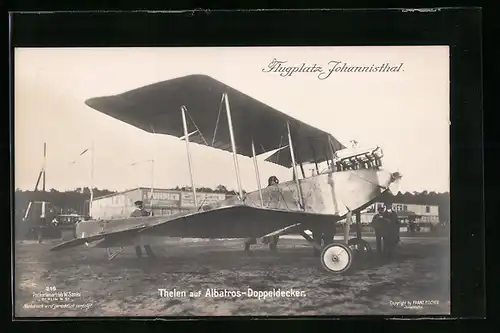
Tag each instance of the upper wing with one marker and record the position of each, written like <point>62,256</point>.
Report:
<point>306,151</point>
<point>282,157</point>
<point>156,108</point>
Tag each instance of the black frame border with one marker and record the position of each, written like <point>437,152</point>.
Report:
<point>460,28</point>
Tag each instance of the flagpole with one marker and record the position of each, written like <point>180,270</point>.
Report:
<point>44,165</point>
<point>91,178</point>
<point>152,183</point>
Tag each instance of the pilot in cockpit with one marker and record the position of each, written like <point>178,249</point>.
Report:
<point>141,212</point>
<point>273,180</point>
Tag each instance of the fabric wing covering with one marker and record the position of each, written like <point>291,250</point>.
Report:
<point>156,108</point>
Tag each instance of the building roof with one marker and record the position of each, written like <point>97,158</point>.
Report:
<point>149,189</point>
<point>126,191</point>
<point>403,203</point>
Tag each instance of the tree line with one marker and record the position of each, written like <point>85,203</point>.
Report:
<point>75,201</point>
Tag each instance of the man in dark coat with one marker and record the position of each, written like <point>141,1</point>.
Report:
<point>386,226</point>
<point>381,223</point>
<point>140,212</point>
<point>273,240</point>
<point>273,244</point>
<point>394,230</point>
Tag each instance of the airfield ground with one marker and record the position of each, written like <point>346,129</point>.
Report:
<point>418,275</point>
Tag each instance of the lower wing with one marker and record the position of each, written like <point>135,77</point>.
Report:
<point>240,221</point>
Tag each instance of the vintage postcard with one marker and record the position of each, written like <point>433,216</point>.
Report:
<point>232,181</point>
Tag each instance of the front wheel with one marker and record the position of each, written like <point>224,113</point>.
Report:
<point>336,258</point>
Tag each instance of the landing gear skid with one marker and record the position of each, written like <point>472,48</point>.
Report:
<point>273,244</point>
<point>112,255</point>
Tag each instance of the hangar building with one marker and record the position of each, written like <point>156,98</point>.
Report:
<point>426,214</point>
<point>162,202</point>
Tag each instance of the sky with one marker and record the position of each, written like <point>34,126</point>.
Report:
<point>405,112</point>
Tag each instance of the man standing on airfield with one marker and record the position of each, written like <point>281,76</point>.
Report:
<point>140,212</point>
<point>386,226</point>
<point>273,240</point>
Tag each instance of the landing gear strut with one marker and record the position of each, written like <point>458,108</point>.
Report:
<point>248,242</point>
<point>271,240</point>
<point>337,257</point>
<point>358,245</point>
<point>149,251</point>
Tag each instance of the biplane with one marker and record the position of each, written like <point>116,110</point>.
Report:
<point>199,109</point>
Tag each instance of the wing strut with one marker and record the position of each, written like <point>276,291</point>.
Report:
<point>332,151</point>
<point>292,155</point>
<point>257,174</point>
<point>315,159</point>
<point>186,137</point>
<point>233,144</point>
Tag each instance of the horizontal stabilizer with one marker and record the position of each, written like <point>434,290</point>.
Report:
<point>76,242</point>
<point>102,236</point>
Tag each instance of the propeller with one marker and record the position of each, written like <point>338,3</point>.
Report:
<point>395,182</point>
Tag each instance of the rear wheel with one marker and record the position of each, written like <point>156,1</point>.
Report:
<point>360,247</point>
<point>336,258</point>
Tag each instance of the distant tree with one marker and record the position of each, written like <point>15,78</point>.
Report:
<point>221,189</point>
<point>67,201</point>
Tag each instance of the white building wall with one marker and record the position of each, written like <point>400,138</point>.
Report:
<point>164,202</point>
<point>116,206</point>
<point>424,213</point>
<point>430,210</point>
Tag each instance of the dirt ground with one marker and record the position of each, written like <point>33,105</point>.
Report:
<point>81,282</point>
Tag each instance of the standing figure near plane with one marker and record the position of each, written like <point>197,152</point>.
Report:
<point>273,241</point>
<point>380,226</point>
<point>139,212</point>
<point>273,181</point>
<point>386,226</point>
<point>394,229</point>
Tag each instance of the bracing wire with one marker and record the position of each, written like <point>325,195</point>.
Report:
<point>217,122</point>
<point>202,137</point>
